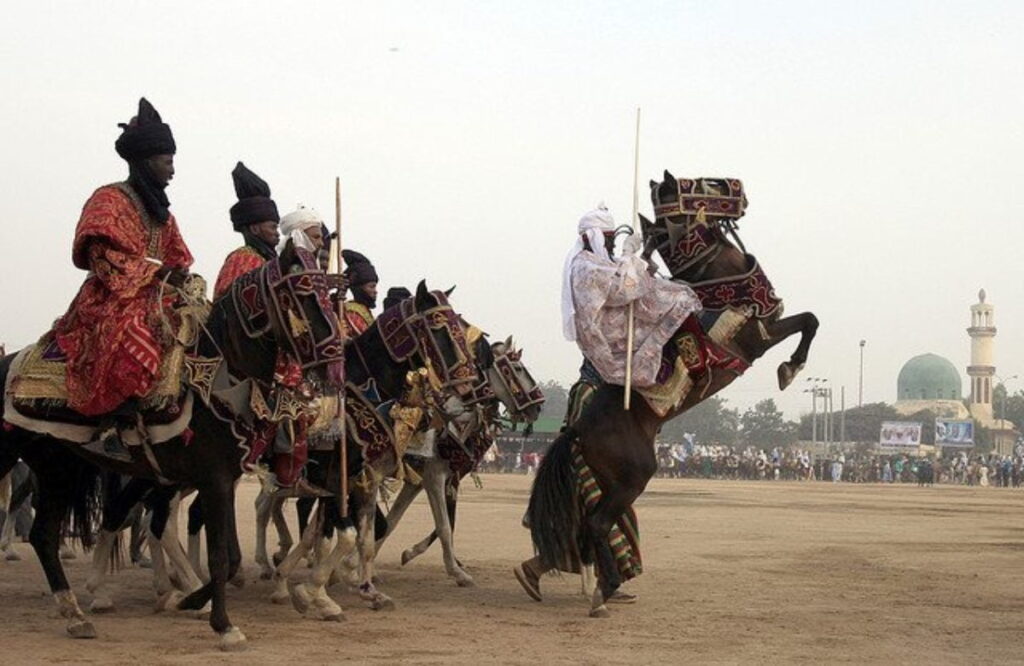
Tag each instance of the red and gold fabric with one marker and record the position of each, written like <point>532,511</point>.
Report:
<point>237,264</point>
<point>108,333</point>
<point>357,318</point>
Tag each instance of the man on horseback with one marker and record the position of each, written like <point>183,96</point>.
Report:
<point>255,217</point>
<point>362,281</point>
<point>597,291</point>
<point>128,241</point>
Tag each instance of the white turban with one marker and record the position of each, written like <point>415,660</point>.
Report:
<point>592,226</point>
<point>294,225</point>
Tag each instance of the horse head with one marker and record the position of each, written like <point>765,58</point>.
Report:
<point>282,306</point>
<point>692,217</point>
<point>422,331</point>
<point>513,384</point>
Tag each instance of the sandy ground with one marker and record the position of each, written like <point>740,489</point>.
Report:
<point>736,572</point>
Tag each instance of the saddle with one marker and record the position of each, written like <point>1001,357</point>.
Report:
<point>37,388</point>
<point>700,348</point>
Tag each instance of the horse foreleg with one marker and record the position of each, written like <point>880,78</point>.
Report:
<point>218,513</point>
<point>366,543</point>
<point>195,525</point>
<point>311,598</point>
<point>284,535</point>
<point>310,534</point>
<point>434,481</point>
<point>45,540</point>
<point>402,502</point>
<point>187,579</point>
<point>262,520</point>
<point>774,332</point>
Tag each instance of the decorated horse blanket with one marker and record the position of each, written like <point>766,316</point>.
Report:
<point>35,399</point>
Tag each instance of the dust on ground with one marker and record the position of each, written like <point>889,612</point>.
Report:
<point>735,572</point>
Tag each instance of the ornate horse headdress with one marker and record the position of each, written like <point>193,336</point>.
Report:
<point>406,331</point>
<point>270,300</point>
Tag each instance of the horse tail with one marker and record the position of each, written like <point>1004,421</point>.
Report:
<point>553,514</point>
<point>85,501</point>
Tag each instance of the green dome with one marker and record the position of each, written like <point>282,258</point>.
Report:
<point>928,377</point>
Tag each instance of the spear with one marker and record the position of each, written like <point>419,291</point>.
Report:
<point>634,220</point>
<point>343,441</point>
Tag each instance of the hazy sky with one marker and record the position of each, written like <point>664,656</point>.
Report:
<point>878,142</point>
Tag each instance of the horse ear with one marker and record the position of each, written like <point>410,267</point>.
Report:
<point>668,189</point>
<point>508,343</point>
<point>450,290</point>
<point>422,296</point>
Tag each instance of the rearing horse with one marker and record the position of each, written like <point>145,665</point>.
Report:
<point>615,446</point>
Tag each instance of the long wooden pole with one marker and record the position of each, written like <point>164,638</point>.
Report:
<point>635,219</point>
<point>343,436</point>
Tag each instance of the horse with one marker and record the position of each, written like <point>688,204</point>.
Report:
<point>460,449</point>
<point>282,305</point>
<point>692,220</point>
<point>421,334</point>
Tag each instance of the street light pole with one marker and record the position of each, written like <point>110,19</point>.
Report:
<point>860,382</point>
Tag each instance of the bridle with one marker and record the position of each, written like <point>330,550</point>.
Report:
<point>700,241</point>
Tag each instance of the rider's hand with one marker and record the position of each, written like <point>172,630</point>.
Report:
<point>337,281</point>
<point>632,244</point>
<point>172,276</point>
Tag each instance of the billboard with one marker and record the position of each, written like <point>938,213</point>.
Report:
<point>900,434</point>
<point>954,433</point>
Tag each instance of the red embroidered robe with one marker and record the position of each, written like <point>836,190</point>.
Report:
<point>109,333</point>
<point>237,264</point>
<point>357,318</point>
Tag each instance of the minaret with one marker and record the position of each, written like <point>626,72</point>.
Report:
<point>981,369</point>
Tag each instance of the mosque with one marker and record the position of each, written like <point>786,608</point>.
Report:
<point>931,382</point>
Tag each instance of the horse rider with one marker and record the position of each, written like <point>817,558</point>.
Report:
<point>597,290</point>
<point>395,296</point>
<point>129,242</point>
<point>361,277</point>
<point>255,217</point>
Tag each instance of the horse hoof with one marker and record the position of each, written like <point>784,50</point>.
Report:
<point>464,581</point>
<point>12,556</point>
<point>82,629</point>
<point>169,601</point>
<point>144,563</point>
<point>101,605</point>
<point>787,373</point>
<point>382,604</point>
<point>238,581</point>
<point>300,597</point>
<point>600,611</point>
<point>266,574</point>
<point>406,557</point>
<point>232,640</point>
<point>202,614</point>
<point>278,559</point>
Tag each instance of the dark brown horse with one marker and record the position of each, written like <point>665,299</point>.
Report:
<point>288,308</point>
<point>690,232</point>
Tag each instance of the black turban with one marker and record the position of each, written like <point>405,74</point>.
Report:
<point>145,135</point>
<point>395,296</point>
<point>254,202</point>
<point>358,268</point>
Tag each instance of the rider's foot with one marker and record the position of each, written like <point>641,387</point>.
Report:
<point>113,446</point>
<point>529,579</point>
<point>620,597</point>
